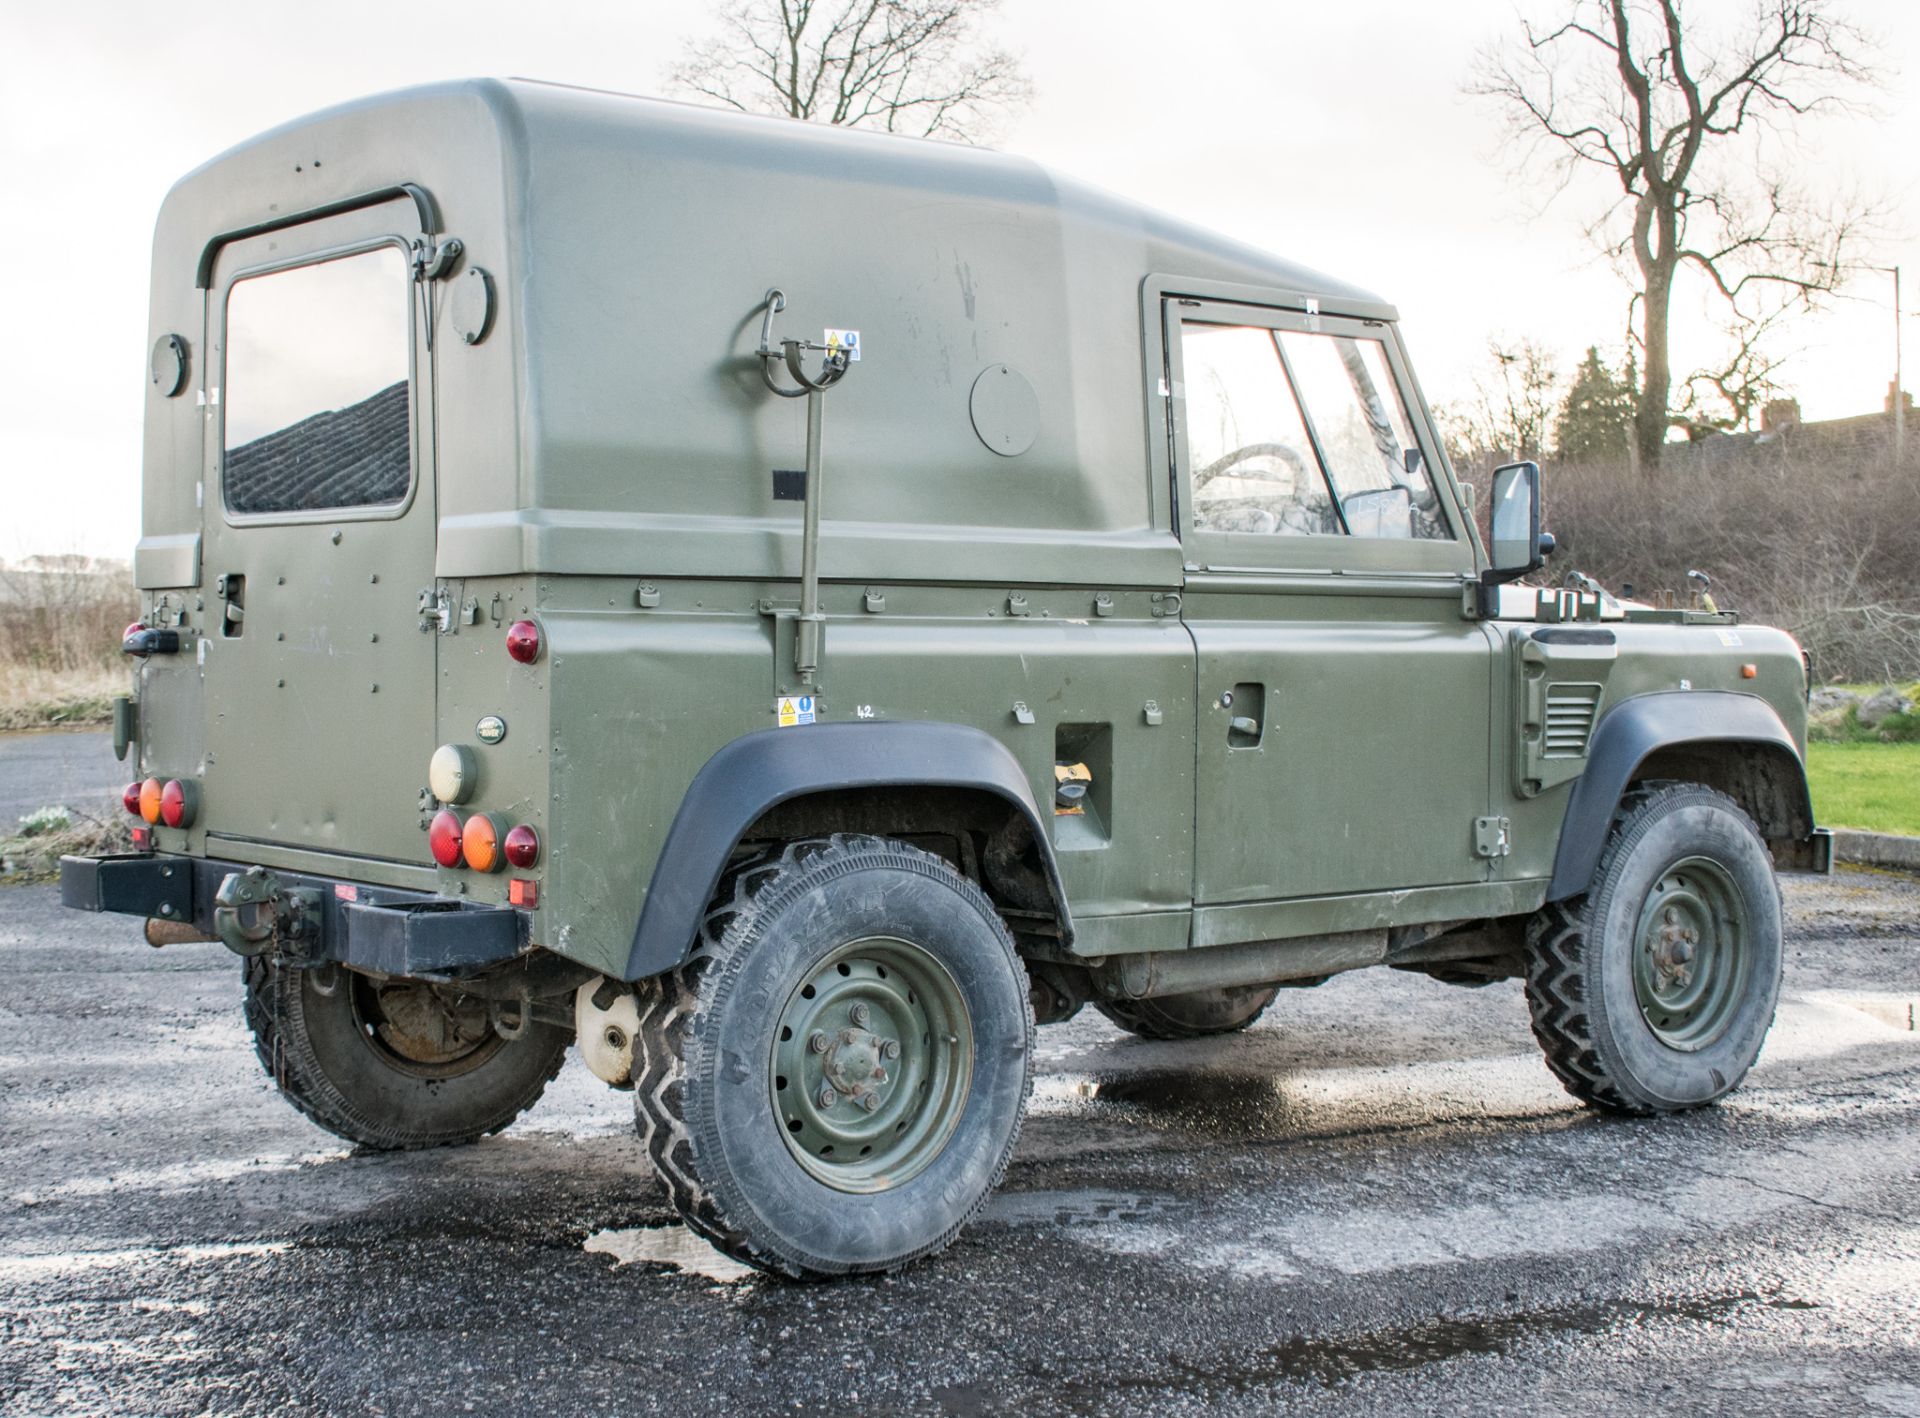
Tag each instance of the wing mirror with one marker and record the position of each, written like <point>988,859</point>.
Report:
<point>1519,546</point>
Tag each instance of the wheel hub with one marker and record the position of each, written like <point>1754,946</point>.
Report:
<point>1691,954</point>
<point>871,1064</point>
<point>423,1029</point>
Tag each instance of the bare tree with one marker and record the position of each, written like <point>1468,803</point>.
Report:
<point>1689,124</point>
<point>907,66</point>
<point>1509,412</point>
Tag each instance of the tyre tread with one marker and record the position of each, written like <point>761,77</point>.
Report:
<point>289,1060</point>
<point>670,1008</point>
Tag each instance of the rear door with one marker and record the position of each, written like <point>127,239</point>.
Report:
<point>319,511</point>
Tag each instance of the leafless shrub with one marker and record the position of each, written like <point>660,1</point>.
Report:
<point>1821,545</point>
<point>63,613</point>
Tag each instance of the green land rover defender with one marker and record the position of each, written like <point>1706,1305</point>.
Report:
<point>789,610</point>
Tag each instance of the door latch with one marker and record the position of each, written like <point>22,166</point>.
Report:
<point>436,611</point>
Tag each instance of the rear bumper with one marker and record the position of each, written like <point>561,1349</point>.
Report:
<point>374,928</point>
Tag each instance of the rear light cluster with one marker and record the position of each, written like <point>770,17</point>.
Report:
<point>480,842</point>
<point>174,803</point>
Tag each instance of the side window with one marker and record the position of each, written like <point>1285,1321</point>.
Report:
<point>1366,438</point>
<point>1304,434</point>
<point>1252,464</point>
<point>318,406</point>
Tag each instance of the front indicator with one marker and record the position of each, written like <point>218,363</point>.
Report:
<point>443,837</point>
<point>480,843</point>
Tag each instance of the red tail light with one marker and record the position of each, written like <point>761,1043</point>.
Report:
<point>130,798</point>
<point>443,837</point>
<point>522,846</point>
<point>177,803</point>
<point>523,641</point>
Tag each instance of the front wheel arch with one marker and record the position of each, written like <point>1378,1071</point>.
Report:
<point>1733,743</point>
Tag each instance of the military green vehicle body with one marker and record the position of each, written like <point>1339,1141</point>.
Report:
<point>1303,753</point>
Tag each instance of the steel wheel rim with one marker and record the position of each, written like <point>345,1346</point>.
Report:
<point>1691,954</point>
<point>463,1041</point>
<point>871,1064</point>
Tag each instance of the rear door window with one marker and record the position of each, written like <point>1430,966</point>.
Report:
<point>318,399</point>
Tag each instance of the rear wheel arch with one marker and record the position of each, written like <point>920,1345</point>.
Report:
<point>907,780</point>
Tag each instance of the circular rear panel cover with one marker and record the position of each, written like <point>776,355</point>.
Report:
<point>1006,411</point>
<point>473,305</point>
<point>168,365</point>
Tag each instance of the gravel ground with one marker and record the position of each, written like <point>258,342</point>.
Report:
<point>1376,1201</point>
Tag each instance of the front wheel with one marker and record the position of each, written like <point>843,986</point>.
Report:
<point>834,1080</point>
<point>1654,991</point>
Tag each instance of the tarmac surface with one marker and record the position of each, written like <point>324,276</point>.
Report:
<point>1375,1201</point>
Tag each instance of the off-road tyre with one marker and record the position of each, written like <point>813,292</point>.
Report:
<point>707,1101</point>
<point>326,1061</point>
<point>1610,1050</point>
<point>1198,1015</point>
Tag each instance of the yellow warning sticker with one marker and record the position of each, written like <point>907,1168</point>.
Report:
<point>794,709</point>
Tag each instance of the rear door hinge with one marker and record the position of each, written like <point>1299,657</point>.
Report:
<point>1492,836</point>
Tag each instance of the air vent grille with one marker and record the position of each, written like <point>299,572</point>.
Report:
<point>1571,709</point>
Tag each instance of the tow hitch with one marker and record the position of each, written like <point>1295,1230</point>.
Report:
<point>253,907</point>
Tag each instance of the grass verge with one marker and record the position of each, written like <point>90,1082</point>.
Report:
<point>1874,787</point>
<point>32,698</point>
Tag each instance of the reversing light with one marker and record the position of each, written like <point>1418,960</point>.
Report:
<point>443,837</point>
<point>523,641</point>
<point>177,803</point>
<point>480,842</point>
<point>150,801</point>
<point>130,798</point>
<point>522,846</point>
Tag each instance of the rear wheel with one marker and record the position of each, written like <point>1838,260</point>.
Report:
<point>393,1064</point>
<point>834,1080</point>
<point>1654,991</point>
<point>1191,1016</point>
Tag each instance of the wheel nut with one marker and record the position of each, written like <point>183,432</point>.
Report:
<point>817,1041</point>
<point>827,1096</point>
<point>870,1101</point>
<point>860,1013</point>
<point>890,1049</point>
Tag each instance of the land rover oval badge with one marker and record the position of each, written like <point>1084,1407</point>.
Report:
<point>491,729</point>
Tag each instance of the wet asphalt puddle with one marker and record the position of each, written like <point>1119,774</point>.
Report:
<point>1377,1200</point>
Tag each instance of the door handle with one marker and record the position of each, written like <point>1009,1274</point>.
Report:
<point>1244,729</point>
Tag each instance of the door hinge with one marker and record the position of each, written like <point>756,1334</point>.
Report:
<point>1492,836</point>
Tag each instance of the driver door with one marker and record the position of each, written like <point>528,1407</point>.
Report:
<point>1344,695</point>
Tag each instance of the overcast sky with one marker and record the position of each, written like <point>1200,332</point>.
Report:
<point>1336,134</point>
